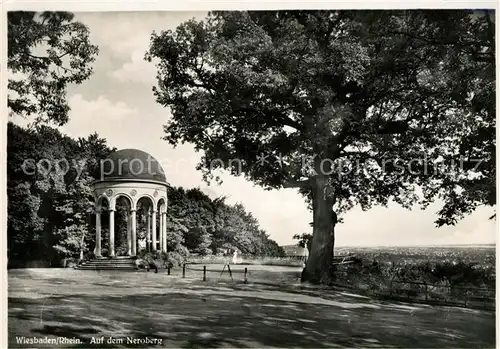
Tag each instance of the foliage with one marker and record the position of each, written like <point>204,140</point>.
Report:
<point>175,259</point>
<point>46,52</point>
<point>453,266</point>
<point>121,226</point>
<point>146,258</point>
<point>50,203</point>
<point>439,280</point>
<point>104,252</point>
<point>75,210</point>
<point>305,239</point>
<point>162,259</point>
<point>207,226</point>
<point>470,85</point>
<point>302,98</point>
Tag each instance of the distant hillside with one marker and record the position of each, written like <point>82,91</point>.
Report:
<point>294,251</point>
<point>492,245</point>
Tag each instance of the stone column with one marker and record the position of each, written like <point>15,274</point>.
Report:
<point>134,232</point>
<point>98,234</point>
<point>129,234</point>
<point>164,232</point>
<point>111,232</point>
<point>153,219</point>
<point>148,232</point>
<point>161,231</point>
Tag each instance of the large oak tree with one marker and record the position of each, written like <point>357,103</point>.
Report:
<point>351,107</point>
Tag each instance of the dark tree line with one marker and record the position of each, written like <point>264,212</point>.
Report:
<point>50,204</point>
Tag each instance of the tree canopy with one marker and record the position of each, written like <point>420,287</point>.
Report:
<point>352,107</point>
<point>46,52</point>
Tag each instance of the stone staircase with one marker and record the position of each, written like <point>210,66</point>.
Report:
<point>118,263</point>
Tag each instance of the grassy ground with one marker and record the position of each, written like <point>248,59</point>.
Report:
<point>271,310</point>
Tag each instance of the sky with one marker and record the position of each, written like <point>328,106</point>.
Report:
<point>117,102</point>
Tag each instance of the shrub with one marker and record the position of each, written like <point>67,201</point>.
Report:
<point>162,256</point>
<point>143,254</point>
<point>141,263</point>
<point>72,262</point>
<point>150,257</point>
<point>161,259</point>
<point>455,274</point>
<point>174,259</point>
<point>88,256</point>
<point>121,250</point>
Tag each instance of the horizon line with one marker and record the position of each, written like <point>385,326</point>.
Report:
<point>386,246</point>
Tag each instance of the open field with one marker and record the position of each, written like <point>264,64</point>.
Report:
<point>190,313</point>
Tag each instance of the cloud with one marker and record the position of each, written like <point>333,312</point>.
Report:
<point>483,232</point>
<point>124,32</point>
<point>127,35</point>
<point>137,70</point>
<point>100,115</point>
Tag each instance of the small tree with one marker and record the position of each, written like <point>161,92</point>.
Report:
<point>72,243</point>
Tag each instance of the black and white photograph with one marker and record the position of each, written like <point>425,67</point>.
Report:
<point>250,178</point>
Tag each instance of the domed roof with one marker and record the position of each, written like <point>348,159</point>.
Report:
<point>131,164</point>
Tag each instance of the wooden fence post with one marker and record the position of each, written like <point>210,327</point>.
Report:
<point>246,270</point>
<point>204,273</point>
<point>184,270</point>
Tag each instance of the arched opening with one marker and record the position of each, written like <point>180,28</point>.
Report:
<point>102,204</point>
<point>122,222</point>
<point>161,221</point>
<point>145,208</point>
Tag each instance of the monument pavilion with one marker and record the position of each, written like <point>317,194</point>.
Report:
<point>132,175</point>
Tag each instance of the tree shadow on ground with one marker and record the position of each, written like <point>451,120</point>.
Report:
<point>215,318</point>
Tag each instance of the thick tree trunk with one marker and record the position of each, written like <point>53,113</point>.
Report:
<point>319,264</point>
